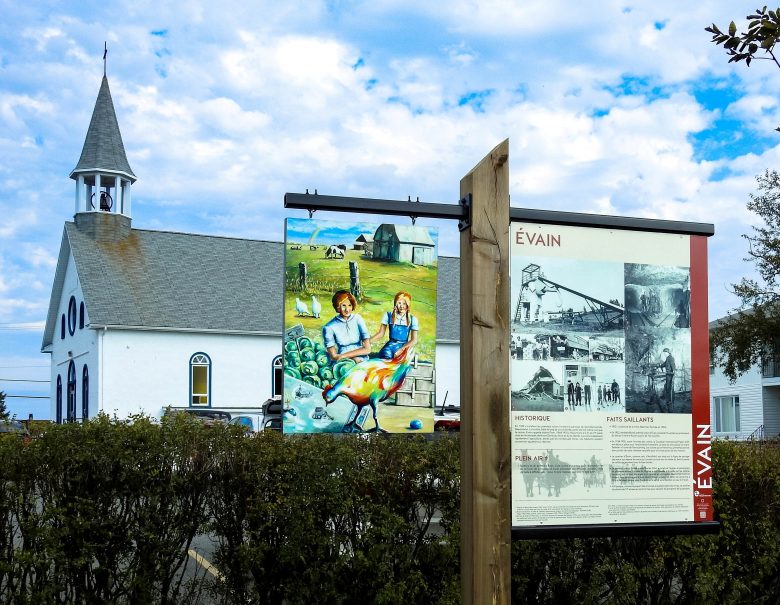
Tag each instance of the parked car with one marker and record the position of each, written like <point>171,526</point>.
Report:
<point>207,417</point>
<point>272,412</point>
<point>16,428</point>
<point>253,423</point>
<point>447,418</point>
<point>273,424</point>
<point>450,425</point>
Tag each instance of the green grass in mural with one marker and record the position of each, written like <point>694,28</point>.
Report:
<point>379,281</point>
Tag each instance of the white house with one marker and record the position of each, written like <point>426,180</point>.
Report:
<point>750,406</point>
<point>140,320</point>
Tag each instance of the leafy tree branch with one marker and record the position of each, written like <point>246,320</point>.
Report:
<point>758,42</point>
<point>760,37</point>
<point>752,333</point>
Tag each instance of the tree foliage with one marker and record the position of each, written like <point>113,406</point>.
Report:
<point>760,37</point>
<point>752,333</point>
<point>3,410</point>
<point>108,511</point>
<point>758,42</point>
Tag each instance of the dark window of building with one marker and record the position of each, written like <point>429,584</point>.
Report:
<point>85,394</point>
<point>81,316</point>
<point>72,315</point>
<point>62,327</point>
<point>58,411</point>
<point>277,377</point>
<point>71,391</point>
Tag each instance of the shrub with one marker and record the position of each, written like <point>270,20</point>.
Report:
<point>107,512</point>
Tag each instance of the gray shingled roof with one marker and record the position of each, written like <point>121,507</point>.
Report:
<point>186,281</point>
<point>180,280</point>
<point>448,299</point>
<point>103,149</point>
<point>409,234</point>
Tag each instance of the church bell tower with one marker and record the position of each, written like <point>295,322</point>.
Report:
<point>103,175</point>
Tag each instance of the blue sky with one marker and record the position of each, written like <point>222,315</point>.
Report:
<point>610,107</point>
<point>337,232</point>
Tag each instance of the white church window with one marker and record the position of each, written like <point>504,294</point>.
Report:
<point>200,379</point>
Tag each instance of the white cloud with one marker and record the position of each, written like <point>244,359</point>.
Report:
<point>228,106</point>
<point>17,220</point>
<point>37,256</point>
<point>13,108</point>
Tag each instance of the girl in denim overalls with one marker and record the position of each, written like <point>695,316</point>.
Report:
<point>402,324</point>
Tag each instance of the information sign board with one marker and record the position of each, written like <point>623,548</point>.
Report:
<point>610,420</point>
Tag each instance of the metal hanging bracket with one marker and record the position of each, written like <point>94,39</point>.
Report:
<point>414,216</point>
<point>311,210</point>
<point>465,222</point>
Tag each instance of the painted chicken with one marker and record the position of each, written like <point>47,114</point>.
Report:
<point>301,307</point>
<point>316,307</point>
<point>369,383</point>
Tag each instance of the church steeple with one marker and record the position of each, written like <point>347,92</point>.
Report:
<point>103,175</point>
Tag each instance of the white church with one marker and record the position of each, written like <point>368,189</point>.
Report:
<point>140,321</point>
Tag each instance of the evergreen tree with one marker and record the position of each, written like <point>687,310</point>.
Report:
<point>3,410</point>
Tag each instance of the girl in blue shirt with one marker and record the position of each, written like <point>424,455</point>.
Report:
<point>346,335</point>
<point>402,324</point>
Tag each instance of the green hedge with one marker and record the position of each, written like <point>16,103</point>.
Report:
<point>107,512</point>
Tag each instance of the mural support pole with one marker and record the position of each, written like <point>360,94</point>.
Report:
<point>485,457</point>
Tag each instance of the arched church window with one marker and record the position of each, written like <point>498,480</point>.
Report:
<point>62,327</point>
<point>200,380</point>
<point>277,377</point>
<point>71,391</point>
<point>58,411</point>
<point>81,315</point>
<point>72,315</point>
<point>85,394</point>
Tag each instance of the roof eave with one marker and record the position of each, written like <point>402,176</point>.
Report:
<point>77,171</point>
<point>56,293</point>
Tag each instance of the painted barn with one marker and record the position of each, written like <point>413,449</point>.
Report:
<point>404,243</point>
<point>365,242</point>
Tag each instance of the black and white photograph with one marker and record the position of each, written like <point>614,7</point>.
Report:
<point>530,347</point>
<point>658,371</point>
<point>547,476</point>
<point>657,296</point>
<point>537,387</point>
<point>555,347</point>
<point>606,348</point>
<point>564,296</point>
<point>593,387</point>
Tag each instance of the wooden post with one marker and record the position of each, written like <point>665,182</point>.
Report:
<point>354,280</point>
<point>302,276</point>
<point>485,458</point>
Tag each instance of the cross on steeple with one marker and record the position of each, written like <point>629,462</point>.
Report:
<point>105,52</point>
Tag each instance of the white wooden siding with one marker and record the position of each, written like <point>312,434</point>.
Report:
<point>750,408</point>
<point>771,411</point>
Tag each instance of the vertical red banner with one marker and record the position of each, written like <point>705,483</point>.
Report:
<point>700,381</point>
